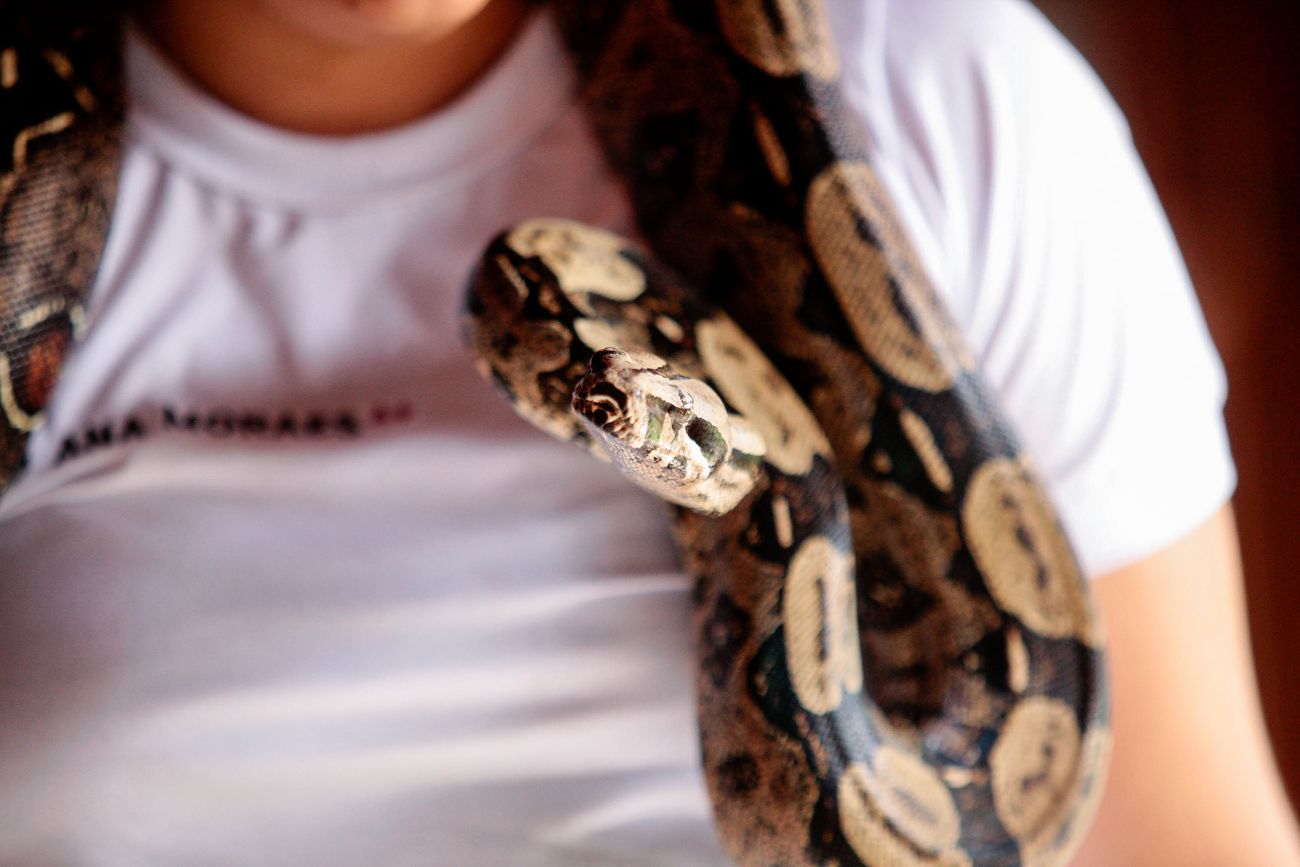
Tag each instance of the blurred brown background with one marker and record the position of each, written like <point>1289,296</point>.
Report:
<point>1212,91</point>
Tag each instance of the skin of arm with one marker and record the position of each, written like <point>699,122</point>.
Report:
<point>1192,780</point>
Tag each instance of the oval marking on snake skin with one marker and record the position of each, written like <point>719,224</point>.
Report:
<point>785,797</point>
<point>517,283</point>
<point>957,777</point>
<point>782,521</point>
<point>1017,660</point>
<point>1024,557</point>
<point>80,322</point>
<point>750,383</point>
<point>924,356</point>
<point>918,806</point>
<point>1049,848</point>
<point>42,312</point>
<point>768,142</point>
<point>8,68</point>
<point>547,349</point>
<point>18,418</point>
<point>745,438</point>
<point>1035,770</point>
<point>882,463</point>
<point>1097,744</point>
<point>670,328</point>
<point>821,627</point>
<point>922,440</point>
<point>584,260</point>
<point>799,42</point>
<point>598,334</point>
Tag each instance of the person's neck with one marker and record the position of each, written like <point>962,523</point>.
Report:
<point>280,75</point>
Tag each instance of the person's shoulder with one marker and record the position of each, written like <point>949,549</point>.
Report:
<point>966,22</point>
<point>1004,56</point>
<point>939,33</point>
<point>1034,213</point>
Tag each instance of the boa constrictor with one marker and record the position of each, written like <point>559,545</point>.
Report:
<point>899,662</point>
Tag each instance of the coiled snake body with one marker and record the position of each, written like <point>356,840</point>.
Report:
<point>898,660</point>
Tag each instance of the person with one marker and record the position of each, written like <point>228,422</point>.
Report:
<point>285,583</point>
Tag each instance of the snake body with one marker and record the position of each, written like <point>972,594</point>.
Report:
<point>898,660</point>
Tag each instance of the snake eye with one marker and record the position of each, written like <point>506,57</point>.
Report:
<point>602,360</point>
<point>710,440</point>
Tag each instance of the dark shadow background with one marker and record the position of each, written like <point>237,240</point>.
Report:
<point>1212,91</point>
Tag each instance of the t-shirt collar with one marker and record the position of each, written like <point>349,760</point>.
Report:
<point>496,117</point>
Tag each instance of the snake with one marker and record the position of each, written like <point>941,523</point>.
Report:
<point>898,658</point>
<point>899,661</point>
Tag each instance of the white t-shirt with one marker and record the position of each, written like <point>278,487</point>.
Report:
<point>287,583</point>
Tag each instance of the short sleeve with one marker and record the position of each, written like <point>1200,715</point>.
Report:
<point>1018,178</point>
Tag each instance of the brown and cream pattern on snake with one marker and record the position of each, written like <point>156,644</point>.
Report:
<point>898,659</point>
<point>60,118</point>
<point>899,663</point>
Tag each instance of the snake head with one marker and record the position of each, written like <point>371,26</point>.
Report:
<point>669,433</point>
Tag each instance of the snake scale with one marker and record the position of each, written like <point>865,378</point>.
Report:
<point>899,662</point>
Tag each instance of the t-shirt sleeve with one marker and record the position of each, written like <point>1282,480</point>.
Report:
<point>1031,207</point>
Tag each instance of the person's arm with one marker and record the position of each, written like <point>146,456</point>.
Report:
<point>1192,781</point>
